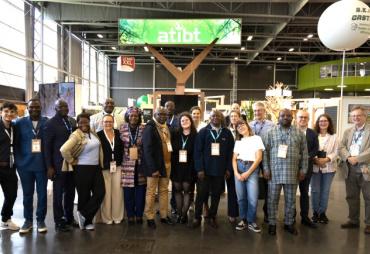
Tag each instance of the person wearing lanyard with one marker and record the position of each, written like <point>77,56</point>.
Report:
<point>56,132</point>
<point>133,179</point>
<point>182,164</point>
<point>173,124</point>
<point>213,152</point>
<point>83,154</point>
<point>156,164</point>
<point>112,209</point>
<point>96,121</point>
<point>354,149</point>
<point>28,153</point>
<point>8,177</point>
<point>285,162</point>
<point>260,126</point>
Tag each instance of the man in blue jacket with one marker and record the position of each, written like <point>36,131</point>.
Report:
<point>213,152</point>
<point>56,132</point>
<point>28,152</point>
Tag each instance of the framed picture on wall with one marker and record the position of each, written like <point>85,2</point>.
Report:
<point>350,108</point>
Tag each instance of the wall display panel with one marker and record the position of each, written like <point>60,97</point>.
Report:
<point>182,102</point>
<point>49,93</point>
<point>121,96</point>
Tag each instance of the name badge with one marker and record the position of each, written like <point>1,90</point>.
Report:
<point>169,146</point>
<point>133,153</point>
<point>36,146</point>
<point>215,149</point>
<point>283,149</point>
<point>183,156</point>
<point>113,167</point>
<point>355,150</point>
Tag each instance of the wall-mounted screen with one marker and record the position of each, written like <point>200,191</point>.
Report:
<point>49,93</point>
<point>182,102</point>
<point>179,31</point>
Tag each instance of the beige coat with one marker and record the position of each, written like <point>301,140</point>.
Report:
<point>73,147</point>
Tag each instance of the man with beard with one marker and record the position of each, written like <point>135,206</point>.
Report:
<point>96,121</point>
<point>285,162</point>
<point>56,132</point>
<point>29,158</point>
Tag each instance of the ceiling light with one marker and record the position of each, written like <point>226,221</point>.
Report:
<point>114,48</point>
<point>250,37</point>
<point>310,36</point>
<point>192,49</point>
<point>100,36</point>
<point>342,86</point>
<point>305,39</point>
<point>236,58</point>
<point>152,57</point>
<point>367,89</point>
<point>242,48</point>
<point>146,48</point>
<point>279,58</point>
<point>291,49</point>
<point>161,48</point>
<point>328,89</point>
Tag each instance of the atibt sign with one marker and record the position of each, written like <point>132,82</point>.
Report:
<point>179,31</point>
<point>125,63</point>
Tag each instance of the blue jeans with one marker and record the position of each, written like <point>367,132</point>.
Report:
<point>247,193</point>
<point>320,189</point>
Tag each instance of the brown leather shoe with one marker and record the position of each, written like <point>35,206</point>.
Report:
<point>367,230</point>
<point>213,223</point>
<point>349,224</point>
<point>196,223</point>
<point>205,211</point>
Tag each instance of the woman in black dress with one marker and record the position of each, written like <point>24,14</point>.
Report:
<point>183,170</point>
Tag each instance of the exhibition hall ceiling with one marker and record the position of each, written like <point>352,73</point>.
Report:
<point>282,32</point>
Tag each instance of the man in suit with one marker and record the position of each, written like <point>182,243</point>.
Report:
<point>56,132</point>
<point>312,147</point>
<point>354,150</point>
<point>96,121</point>
<point>285,162</point>
<point>29,159</point>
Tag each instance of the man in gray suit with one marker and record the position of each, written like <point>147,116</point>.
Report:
<point>355,153</point>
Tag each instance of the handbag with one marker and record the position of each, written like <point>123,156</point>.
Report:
<point>321,154</point>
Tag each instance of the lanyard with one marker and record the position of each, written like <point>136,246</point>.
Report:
<point>11,139</point>
<point>358,136</point>
<point>218,134</point>
<point>165,133</point>
<point>184,142</point>
<point>255,129</point>
<point>68,128</point>
<point>36,132</point>
<point>111,143</point>
<point>133,140</point>
<point>170,123</point>
<point>281,134</point>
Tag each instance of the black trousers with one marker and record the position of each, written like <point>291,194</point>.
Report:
<point>217,184</point>
<point>9,184</point>
<point>304,199</point>
<point>63,197</point>
<point>232,199</point>
<point>89,179</point>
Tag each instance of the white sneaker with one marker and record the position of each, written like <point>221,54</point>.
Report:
<point>90,227</point>
<point>109,222</point>
<point>81,220</point>
<point>9,224</point>
<point>242,225</point>
<point>27,226</point>
<point>253,226</point>
<point>117,222</point>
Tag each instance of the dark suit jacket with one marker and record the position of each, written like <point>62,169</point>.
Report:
<point>312,148</point>
<point>55,135</point>
<point>25,160</point>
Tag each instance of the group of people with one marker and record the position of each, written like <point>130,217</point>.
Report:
<point>118,164</point>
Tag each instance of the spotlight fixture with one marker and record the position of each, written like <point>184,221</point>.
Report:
<point>100,36</point>
<point>310,36</point>
<point>236,58</point>
<point>328,89</point>
<point>291,49</point>
<point>242,48</point>
<point>146,48</point>
<point>279,58</point>
<point>250,37</point>
<point>367,89</point>
<point>152,57</point>
<point>342,86</point>
<point>305,39</point>
<point>114,48</point>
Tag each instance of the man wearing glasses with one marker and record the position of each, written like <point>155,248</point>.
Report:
<point>312,148</point>
<point>354,150</point>
<point>260,126</point>
<point>96,121</point>
<point>156,165</point>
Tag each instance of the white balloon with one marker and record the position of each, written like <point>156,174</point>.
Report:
<point>344,25</point>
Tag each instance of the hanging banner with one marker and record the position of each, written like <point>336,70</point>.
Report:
<point>125,63</point>
<point>179,31</point>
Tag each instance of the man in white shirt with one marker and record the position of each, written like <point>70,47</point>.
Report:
<point>96,121</point>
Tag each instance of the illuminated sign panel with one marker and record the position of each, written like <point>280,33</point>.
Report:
<point>179,31</point>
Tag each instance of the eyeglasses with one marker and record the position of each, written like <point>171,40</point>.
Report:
<point>240,126</point>
<point>323,121</point>
<point>258,110</point>
<point>303,117</point>
<point>356,116</point>
<point>108,122</point>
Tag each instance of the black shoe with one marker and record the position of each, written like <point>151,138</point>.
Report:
<point>157,212</point>
<point>323,218</point>
<point>168,221</point>
<point>139,220</point>
<point>316,217</point>
<point>151,224</point>
<point>174,210</point>
<point>266,218</point>
<point>307,222</point>
<point>290,229</point>
<point>272,229</point>
<point>178,219</point>
<point>131,221</point>
<point>213,223</point>
<point>61,227</point>
<point>73,223</point>
<point>184,219</point>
